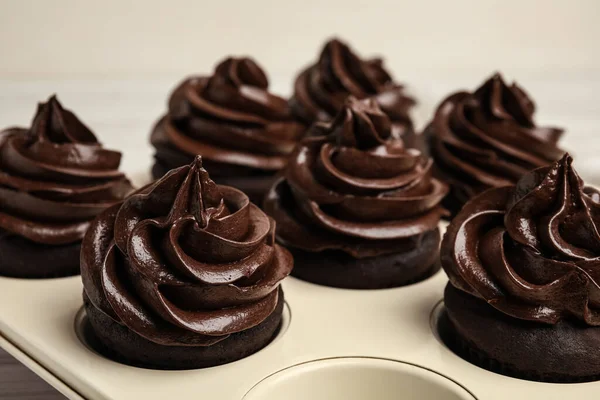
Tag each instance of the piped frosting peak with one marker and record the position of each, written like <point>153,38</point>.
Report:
<point>532,250</point>
<point>56,177</point>
<point>184,261</point>
<point>353,181</point>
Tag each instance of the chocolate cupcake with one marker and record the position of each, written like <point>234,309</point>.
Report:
<point>488,139</point>
<point>355,207</point>
<point>524,269</point>
<point>243,132</point>
<point>184,274</point>
<point>54,179</point>
<point>321,89</point>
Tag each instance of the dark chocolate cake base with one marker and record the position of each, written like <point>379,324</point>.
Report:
<point>567,352</point>
<point>117,342</point>
<point>22,258</point>
<point>339,269</point>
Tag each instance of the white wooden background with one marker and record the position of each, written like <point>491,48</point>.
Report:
<point>142,38</point>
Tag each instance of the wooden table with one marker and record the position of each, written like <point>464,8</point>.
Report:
<point>18,382</point>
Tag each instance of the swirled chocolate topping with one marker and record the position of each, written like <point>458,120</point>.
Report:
<point>351,185</point>
<point>184,261</point>
<point>321,89</point>
<point>55,177</point>
<point>532,250</point>
<point>229,118</point>
<point>488,138</point>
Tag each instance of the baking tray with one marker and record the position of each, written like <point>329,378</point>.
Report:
<point>334,344</point>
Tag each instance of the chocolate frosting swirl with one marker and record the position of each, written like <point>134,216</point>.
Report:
<point>532,250</point>
<point>229,118</point>
<point>321,89</point>
<point>184,261</point>
<point>488,138</point>
<point>351,185</point>
<point>55,177</point>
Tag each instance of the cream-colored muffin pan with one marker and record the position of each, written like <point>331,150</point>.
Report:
<point>334,344</point>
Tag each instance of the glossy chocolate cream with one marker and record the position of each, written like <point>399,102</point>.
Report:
<point>243,132</point>
<point>352,187</point>
<point>532,250</point>
<point>488,138</point>
<point>184,262</point>
<point>55,178</point>
<point>320,91</point>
